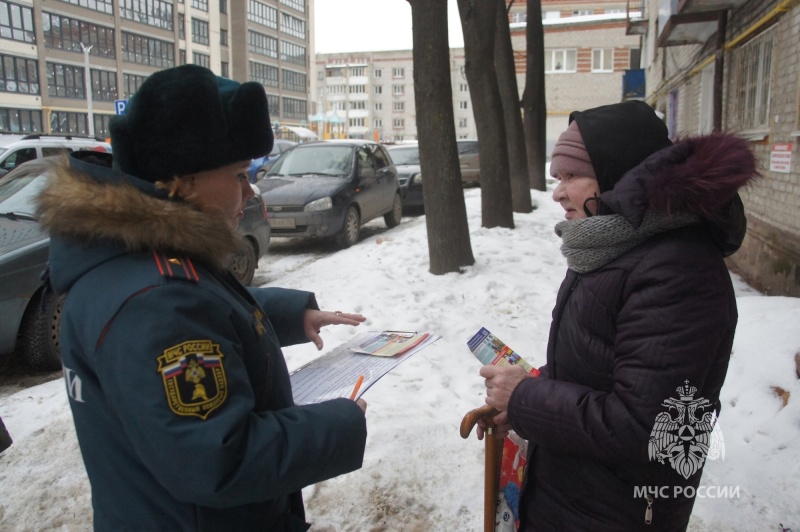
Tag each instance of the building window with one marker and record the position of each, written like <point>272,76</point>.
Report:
<point>559,61</point>
<point>263,14</point>
<point>294,81</point>
<point>274,104</point>
<point>463,104</point>
<point>398,123</point>
<point>131,83</point>
<point>358,71</point>
<point>224,69</point>
<point>293,108</point>
<point>334,72</point>
<point>357,122</point>
<point>69,123</point>
<point>398,90</point>
<point>199,31</point>
<point>101,125</point>
<point>398,73</point>
<point>20,121</point>
<point>223,37</point>
<point>378,122</point>
<point>65,33</point>
<point>519,16</point>
<point>265,74</point>
<point>261,44</point>
<point>337,89</point>
<point>202,5</point>
<point>293,26</point>
<point>752,73</point>
<point>181,26</point>
<point>378,89</point>
<point>223,6</point>
<point>147,51</point>
<point>16,23</point>
<point>299,5</point>
<point>65,81</point>
<point>103,6</point>
<point>19,75</point>
<point>398,107</point>
<point>551,15</point>
<point>603,60</point>
<point>357,89</point>
<point>293,53</point>
<point>379,106</point>
<point>357,106</point>
<point>104,85</point>
<point>204,60</point>
<point>462,123</point>
<point>182,57</point>
<point>582,12</point>
<point>338,106</point>
<point>157,13</point>
<point>463,87</point>
<point>377,72</point>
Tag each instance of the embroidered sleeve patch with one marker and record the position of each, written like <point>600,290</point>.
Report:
<point>194,378</point>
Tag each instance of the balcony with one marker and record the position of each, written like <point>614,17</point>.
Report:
<point>637,22</point>
<point>690,21</point>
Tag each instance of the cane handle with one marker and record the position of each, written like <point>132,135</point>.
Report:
<point>485,412</point>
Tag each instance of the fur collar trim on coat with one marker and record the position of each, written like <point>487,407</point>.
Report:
<point>90,204</point>
<point>699,175</point>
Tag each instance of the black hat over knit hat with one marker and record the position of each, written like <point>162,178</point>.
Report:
<point>186,119</point>
<point>620,136</point>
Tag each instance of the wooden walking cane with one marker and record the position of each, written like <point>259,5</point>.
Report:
<point>493,456</point>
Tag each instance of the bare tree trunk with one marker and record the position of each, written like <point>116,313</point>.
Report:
<point>533,99</point>
<point>512,114</point>
<point>449,246</point>
<point>478,20</point>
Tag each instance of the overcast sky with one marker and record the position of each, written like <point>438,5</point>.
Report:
<point>371,25</point>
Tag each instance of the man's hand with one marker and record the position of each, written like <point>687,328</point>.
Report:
<point>314,320</point>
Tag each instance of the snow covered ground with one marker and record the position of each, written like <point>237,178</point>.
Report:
<point>418,474</point>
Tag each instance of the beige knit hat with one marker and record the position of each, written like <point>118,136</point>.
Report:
<point>570,155</point>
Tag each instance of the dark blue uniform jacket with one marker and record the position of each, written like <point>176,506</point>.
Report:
<point>178,387</point>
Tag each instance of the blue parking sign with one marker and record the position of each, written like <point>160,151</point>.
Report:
<point>119,106</point>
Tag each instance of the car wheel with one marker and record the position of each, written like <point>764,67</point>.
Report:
<point>348,235</point>
<point>392,218</point>
<point>244,261</point>
<point>39,331</point>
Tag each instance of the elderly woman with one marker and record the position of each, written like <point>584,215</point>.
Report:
<point>179,390</point>
<point>620,422</point>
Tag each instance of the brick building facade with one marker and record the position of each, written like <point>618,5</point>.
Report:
<point>742,59</point>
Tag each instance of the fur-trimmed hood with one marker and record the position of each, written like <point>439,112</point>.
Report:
<point>87,206</point>
<point>697,175</point>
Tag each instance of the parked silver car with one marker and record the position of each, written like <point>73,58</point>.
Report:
<point>331,188</point>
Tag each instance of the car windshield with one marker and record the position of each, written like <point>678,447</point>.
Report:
<point>405,155</point>
<point>318,159</point>
<point>18,192</point>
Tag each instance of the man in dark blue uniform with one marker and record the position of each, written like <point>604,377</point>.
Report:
<point>178,387</point>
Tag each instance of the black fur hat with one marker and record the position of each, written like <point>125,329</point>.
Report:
<point>186,119</point>
<point>620,136</point>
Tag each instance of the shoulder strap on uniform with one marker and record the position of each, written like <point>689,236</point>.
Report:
<point>173,267</point>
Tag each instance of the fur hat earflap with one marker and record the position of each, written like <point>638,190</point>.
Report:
<point>186,119</point>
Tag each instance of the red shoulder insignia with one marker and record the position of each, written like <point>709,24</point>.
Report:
<point>175,267</point>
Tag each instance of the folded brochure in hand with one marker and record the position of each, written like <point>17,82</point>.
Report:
<point>490,350</point>
<point>334,374</point>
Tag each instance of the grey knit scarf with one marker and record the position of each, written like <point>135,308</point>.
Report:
<point>589,243</point>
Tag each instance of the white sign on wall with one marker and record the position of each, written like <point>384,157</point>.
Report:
<point>780,159</point>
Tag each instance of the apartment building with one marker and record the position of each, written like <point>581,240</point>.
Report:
<point>733,65</point>
<point>65,61</point>
<point>371,95</point>
<point>588,55</point>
